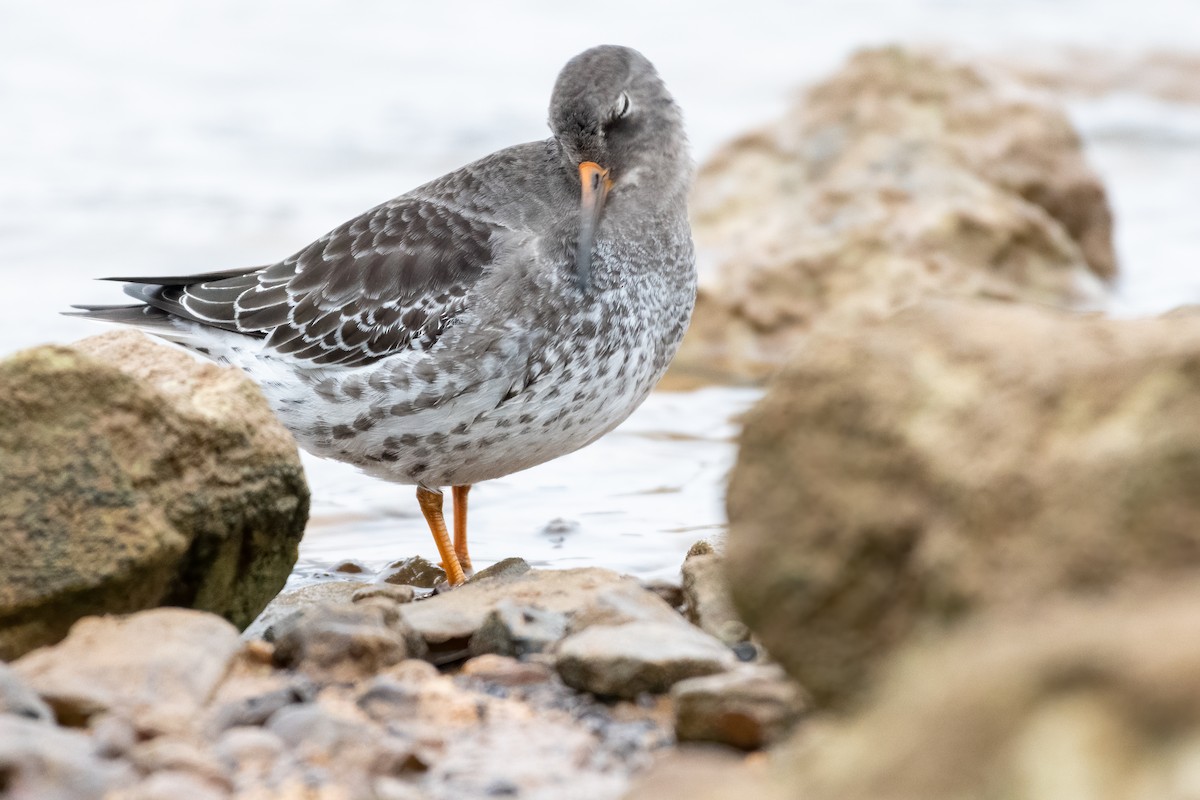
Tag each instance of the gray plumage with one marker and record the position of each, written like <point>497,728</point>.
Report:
<point>466,329</point>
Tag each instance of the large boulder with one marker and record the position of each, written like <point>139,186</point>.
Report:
<point>1089,700</point>
<point>897,479</point>
<point>132,476</point>
<point>904,175</point>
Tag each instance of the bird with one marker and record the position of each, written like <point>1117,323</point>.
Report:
<point>503,315</point>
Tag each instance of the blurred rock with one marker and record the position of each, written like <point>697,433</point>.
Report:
<point>19,700</point>
<point>340,643</point>
<point>290,601</point>
<point>626,660</point>
<point>414,571</point>
<point>962,456</point>
<point>1168,75</point>
<point>708,774</point>
<point>902,176</point>
<point>447,622</point>
<point>513,630</point>
<point>155,667</point>
<point>505,671</point>
<point>1091,699</point>
<point>42,762</point>
<point>749,707</point>
<point>707,601</point>
<point>133,476</point>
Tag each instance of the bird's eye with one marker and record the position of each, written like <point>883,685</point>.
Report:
<point>623,106</point>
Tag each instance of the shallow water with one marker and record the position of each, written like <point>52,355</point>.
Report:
<point>201,134</point>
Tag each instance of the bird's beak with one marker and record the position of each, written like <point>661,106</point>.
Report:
<point>596,183</point>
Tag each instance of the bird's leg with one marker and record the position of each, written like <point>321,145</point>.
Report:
<point>431,507</point>
<point>460,527</point>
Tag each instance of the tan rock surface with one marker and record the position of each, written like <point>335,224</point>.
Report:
<point>1085,700</point>
<point>903,175</point>
<point>156,668</point>
<point>963,455</point>
<point>131,476</point>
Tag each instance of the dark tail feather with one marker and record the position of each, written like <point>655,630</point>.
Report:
<point>140,316</point>
<point>188,280</point>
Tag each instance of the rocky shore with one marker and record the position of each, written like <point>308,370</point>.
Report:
<point>964,525</point>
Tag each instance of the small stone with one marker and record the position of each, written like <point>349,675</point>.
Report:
<point>256,709</point>
<point>388,592</point>
<point>414,571</point>
<point>251,751</point>
<point>172,785</point>
<point>389,788</point>
<point>19,700</point>
<point>670,591</point>
<point>625,660</point>
<point>339,643</point>
<point>157,667</point>
<point>505,671</point>
<point>701,548</point>
<point>626,602</point>
<point>350,568</point>
<point>43,762</point>
<point>707,598</point>
<point>748,708</point>
<point>506,568</point>
<point>113,735</point>
<point>292,600</point>
<point>169,754</point>
<point>557,530</point>
<point>513,630</point>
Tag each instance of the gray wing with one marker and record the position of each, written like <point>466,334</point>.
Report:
<point>390,280</point>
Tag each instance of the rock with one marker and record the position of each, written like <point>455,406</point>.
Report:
<point>19,700</point>
<point>669,590</point>
<point>385,592</point>
<point>1087,698</point>
<point>904,175</point>
<point>415,571</point>
<point>133,476</point>
<point>748,708</point>
<point>176,756</point>
<point>42,762</point>
<point>171,785</point>
<point>626,660</point>
<point>447,622</point>
<point>155,667</point>
<point>504,568</point>
<point>505,671</point>
<point>250,753</point>
<point>962,456</point>
<point>707,601</point>
<point>340,643</point>
<point>512,630</point>
<point>292,600</point>
<point>708,774</point>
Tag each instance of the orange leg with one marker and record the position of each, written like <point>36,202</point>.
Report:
<point>431,507</point>
<point>460,527</point>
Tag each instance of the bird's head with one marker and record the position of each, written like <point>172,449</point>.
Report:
<point>617,128</point>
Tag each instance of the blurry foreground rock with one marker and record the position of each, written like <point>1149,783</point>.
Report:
<point>903,175</point>
<point>132,476</point>
<point>1089,700</point>
<point>965,455</point>
<point>346,704</point>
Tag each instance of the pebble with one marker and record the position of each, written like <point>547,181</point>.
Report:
<point>625,660</point>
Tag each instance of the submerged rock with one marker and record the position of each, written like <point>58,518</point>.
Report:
<point>965,455</point>
<point>904,175</point>
<point>132,476</point>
